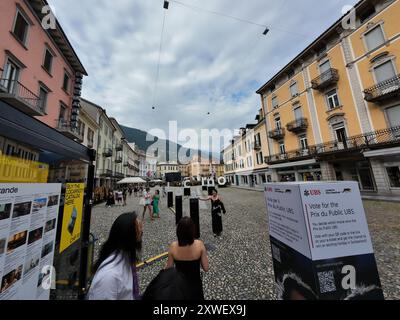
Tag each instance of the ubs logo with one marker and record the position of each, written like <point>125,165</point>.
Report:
<point>308,193</point>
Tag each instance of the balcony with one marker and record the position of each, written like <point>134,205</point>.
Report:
<point>119,175</point>
<point>118,159</point>
<point>107,152</point>
<point>297,155</point>
<point>119,147</point>
<point>277,134</point>
<point>297,126</point>
<point>67,130</point>
<point>106,173</point>
<point>327,78</point>
<point>21,98</point>
<point>385,138</point>
<point>257,146</point>
<point>126,164</point>
<point>384,90</point>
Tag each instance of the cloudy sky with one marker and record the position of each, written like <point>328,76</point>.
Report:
<point>209,63</point>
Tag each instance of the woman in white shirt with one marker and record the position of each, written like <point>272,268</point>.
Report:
<point>116,276</point>
<point>147,204</point>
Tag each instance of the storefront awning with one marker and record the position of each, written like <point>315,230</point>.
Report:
<point>18,126</point>
<point>293,164</point>
<point>131,180</point>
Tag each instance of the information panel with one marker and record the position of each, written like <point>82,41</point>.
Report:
<point>28,223</point>
<point>72,217</point>
<point>320,242</point>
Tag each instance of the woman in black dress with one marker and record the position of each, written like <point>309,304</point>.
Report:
<point>188,255</point>
<point>217,208</point>
<point>110,199</point>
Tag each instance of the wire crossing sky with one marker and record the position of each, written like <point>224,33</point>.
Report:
<point>206,56</point>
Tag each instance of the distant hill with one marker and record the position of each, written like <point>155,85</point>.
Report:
<point>170,151</point>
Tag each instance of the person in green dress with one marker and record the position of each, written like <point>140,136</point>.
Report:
<point>156,200</point>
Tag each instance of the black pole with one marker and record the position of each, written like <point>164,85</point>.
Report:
<point>86,227</point>
<point>170,200</point>
<point>194,214</point>
<point>210,190</point>
<point>186,192</point>
<point>178,209</point>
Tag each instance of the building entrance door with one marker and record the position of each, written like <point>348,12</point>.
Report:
<point>365,177</point>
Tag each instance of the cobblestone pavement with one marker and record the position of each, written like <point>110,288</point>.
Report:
<point>240,262</point>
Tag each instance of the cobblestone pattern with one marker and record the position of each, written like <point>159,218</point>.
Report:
<point>240,262</point>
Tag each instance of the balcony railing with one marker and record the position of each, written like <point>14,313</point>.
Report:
<point>106,173</point>
<point>387,89</point>
<point>126,164</point>
<point>118,159</point>
<point>325,79</point>
<point>64,126</point>
<point>119,175</point>
<point>107,152</point>
<point>119,147</point>
<point>372,140</point>
<point>277,134</point>
<point>257,145</point>
<point>21,97</point>
<point>297,126</point>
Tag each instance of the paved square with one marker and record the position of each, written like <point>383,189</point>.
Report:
<point>240,262</point>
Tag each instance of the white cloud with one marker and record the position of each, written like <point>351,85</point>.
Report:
<point>209,63</point>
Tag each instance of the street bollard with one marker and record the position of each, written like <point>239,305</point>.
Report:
<point>186,192</point>
<point>210,190</point>
<point>178,209</point>
<point>170,201</point>
<point>194,214</point>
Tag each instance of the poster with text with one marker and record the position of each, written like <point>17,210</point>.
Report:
<point>72,216</point>
<point>28,219</point>
<point>320,242</point>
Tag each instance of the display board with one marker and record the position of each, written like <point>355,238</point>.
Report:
<point>72,217</point>
<point>320,242</point>
<point>28,226</point>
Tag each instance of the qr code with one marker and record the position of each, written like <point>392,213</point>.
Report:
<point>276,253</point>
<point>326,281</point>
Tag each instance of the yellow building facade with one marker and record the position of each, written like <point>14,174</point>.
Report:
<point>333,113</point>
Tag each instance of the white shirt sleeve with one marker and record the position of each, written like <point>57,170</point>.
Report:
<point>105,286</point>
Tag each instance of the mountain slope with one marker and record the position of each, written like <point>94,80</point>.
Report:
<point>168,150</point>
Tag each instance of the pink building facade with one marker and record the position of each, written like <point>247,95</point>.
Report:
<point>40,73</point>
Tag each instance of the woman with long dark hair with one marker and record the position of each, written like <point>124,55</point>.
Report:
<point>217,208</point>
<point>116,276</point>
<point>189,255</point>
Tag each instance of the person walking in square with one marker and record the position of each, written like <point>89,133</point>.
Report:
<point>156,201</point>
<point>146,200</point>
<point>110,199</point>
<point>217,208</point>
<point>124,195</point>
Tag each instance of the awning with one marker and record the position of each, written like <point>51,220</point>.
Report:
<point>131,180</point>
<point>293,164</point>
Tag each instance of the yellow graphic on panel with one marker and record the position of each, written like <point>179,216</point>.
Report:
<point>18,170</point>
<point>72,217</point>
